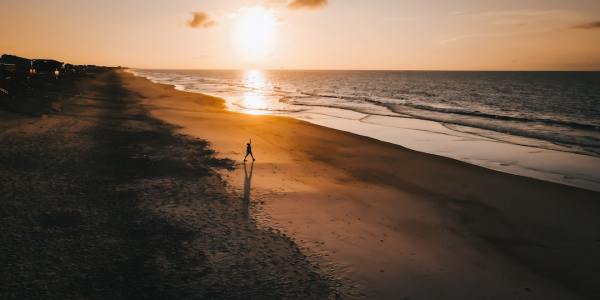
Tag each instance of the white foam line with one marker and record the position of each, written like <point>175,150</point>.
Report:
<point>563,167</point>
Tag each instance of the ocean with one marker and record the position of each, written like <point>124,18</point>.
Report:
<point>556,111</point>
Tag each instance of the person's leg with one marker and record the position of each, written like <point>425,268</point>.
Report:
<point>246,156</point>
<point>252,156</point>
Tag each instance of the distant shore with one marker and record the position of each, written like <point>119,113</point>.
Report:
<point>391,222</point>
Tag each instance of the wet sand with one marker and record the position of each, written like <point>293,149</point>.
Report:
<point>392,223</point>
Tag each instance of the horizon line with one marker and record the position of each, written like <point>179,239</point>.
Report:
<point>334,69</point>
<point>367,70</point>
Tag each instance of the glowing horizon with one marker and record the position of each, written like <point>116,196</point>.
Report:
<point>308,35</point>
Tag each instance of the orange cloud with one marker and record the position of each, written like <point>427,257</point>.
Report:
<point>307,4</point>
<point>589,25</point>
<point>201,20</point>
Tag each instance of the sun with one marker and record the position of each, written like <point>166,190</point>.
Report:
<point>254,34</point>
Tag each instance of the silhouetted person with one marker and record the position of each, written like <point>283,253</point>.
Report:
<point>249,151</point>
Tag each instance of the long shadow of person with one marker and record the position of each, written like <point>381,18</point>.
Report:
<point>247,186</point>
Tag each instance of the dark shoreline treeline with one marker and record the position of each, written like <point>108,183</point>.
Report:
<point>33,86</point>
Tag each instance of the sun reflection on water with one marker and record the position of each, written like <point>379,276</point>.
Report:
<point>254,100</point>
<point>255,79</point>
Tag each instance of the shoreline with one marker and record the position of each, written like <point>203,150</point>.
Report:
<point>391,222</point>
<point>493,150</point>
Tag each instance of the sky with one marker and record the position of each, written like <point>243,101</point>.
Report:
<point>308,34</point>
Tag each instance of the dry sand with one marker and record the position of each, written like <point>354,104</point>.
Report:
<point>392,223</point>
<point>103,201</point>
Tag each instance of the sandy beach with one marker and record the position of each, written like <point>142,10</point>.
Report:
<point>103,201</point>
<point>135,189</point>
<point>389,222</point>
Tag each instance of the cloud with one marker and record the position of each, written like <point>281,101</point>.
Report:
<point>274,2</point>
<point>459,38</point>
<point>200,20</point>
<point>495,35</point>
<point>307,4</point>
<point>200,56</point>
<point>525,13</point>
<point>589,25</point>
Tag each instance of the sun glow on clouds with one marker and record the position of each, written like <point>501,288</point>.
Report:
<point>254,34</point>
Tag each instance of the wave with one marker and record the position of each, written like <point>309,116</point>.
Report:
<point>581,143</point>
<point>396,105</point>
<point>580,135</point>
<point>506,117</point>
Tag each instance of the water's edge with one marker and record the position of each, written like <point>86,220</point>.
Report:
<point>463,143</point>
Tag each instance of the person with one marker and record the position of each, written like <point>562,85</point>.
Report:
<point>249,151</point>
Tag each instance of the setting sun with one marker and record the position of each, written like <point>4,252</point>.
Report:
<point>253,34</point>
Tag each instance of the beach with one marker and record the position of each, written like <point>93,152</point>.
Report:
<point>103,201</point>
<point>392,222</point>
<point>542,125</point>
<point>137,188</point>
